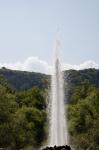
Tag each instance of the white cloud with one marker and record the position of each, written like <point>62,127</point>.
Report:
<point>30,64</point>
<point>85,65</point>
<point>37,65</point>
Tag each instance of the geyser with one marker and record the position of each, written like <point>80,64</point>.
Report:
<point>58,124</point>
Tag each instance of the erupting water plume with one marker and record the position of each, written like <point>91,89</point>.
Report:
<point>58,123</point>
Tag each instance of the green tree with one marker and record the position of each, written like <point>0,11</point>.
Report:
<point>83,116</point>
<point>29,127</point>
<point>7,108</point>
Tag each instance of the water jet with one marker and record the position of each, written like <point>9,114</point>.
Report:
<point>58,133</point>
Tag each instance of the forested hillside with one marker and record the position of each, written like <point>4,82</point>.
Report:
<point>23,114</point>
<point>75,77</point>
<point>22,80</point>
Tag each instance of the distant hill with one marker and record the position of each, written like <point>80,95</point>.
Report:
<point>75,77</point>
<point>23,80</point>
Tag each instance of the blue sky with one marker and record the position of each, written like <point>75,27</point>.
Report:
<point>29,27</point>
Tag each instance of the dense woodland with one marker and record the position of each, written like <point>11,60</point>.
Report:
<point>23,109</point>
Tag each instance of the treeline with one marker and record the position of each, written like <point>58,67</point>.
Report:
<point>83,116</point>
<point>23,80</point>
<point>22,118</point>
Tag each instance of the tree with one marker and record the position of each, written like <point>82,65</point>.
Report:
<point>84,117</point>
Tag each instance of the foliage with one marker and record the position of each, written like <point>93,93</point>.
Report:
<point>22,118</point>
<point>22,80</point>
<point>23,121</point>
<point>83,116</point>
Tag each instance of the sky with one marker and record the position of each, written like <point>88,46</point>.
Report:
<point>28,30</point>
